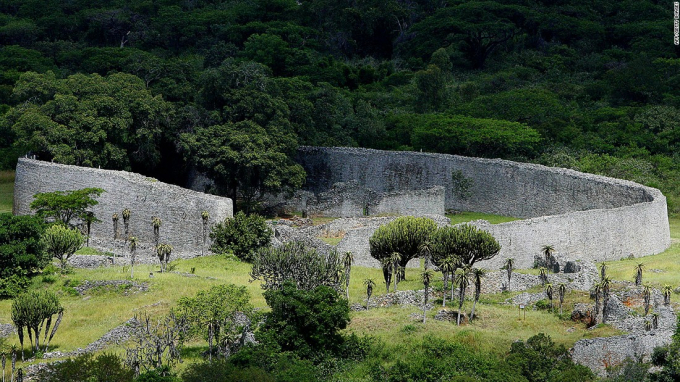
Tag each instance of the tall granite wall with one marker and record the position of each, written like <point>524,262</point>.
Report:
<point>179,209</point>
<point>583,216</point>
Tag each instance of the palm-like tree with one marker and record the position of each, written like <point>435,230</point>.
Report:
<point>462,280</point>
<point>205,215</point>
<point>477,275</point>
<point>547,254</point>
<point>561,292</point>
<point>126,221</point>
<point>648,325</point>
<point>549,293</point>
<point>543,275</point>
<point>133,254</point>
<point>387,272</point>
<point>426,276</point>
<point>603,270</point>
<point>598,291</point>
<point>395,258</point>
<point>156,224</point>
<point>606,285</point>
<point>89,219</point>
<point>638,274</point>
<point>647,297</point>
<point>448,266</point>
<point>425,251</point>
<point>509,266</point>
<point>369,290</point>
<point>347,260</point>
<point>114,218</point>
<point>655,320</point>
<point>667,290</point>
<point>163,252</point>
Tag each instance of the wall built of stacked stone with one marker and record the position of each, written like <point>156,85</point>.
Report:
<point>178,208</point>
<point>352,199</point>
<point>583,216</point>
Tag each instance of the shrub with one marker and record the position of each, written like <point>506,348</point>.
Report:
<point>21,253</point>
<point>223,371</point>
<point>34,311</point>
<point>87,368</point>
<point>299,264</point>
<point>242,235</point>
<point>307,322</point>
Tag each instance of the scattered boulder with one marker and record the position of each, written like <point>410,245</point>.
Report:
<point>572,267</point>
<point>451,315</point>
<point>582,313</point>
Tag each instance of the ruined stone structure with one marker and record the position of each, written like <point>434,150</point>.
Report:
<point>178,208</point>
<point>583,216</point>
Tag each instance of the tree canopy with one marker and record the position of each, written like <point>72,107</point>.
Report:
<point>65,206</point>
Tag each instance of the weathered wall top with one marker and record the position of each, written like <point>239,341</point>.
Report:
<point>498,186</point>
<point>179,208</point>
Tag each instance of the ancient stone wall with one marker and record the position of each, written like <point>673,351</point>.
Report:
<point>583,216</point>
<point>179,209</point>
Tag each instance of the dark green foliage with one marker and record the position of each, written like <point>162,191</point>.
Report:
<point>217,315</point>
<point>435,359</point>
<point>404,236</point>
<point>64,206</point>
<point>539,359</point>
<point>34,311</point>
<point>224,371</point>
<point>668,358</point>
<point>465,244</point>
<point>88,368</point>
<point>21,253</point>
<point>301,265</point>
<point>307,322</point>
<point>243,235</point>
<point>474,137</point>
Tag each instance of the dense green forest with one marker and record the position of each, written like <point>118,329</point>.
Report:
<point>233,87</point>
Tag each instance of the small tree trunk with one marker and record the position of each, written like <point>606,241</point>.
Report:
<point>446,289</point>
<point>54,329</point>
<point>462,299</point>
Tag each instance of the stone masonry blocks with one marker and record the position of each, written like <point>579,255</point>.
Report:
<point>179,208</point>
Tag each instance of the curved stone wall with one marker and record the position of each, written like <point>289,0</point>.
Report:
<point>583,216</point>
<point>179,208</point>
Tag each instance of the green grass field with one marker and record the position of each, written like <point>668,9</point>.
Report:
<point>88,317</point>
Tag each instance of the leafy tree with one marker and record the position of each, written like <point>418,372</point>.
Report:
<point>88,120</point>
<point>540,359</point>
<point>21,252</point>
<point>34,311</point>
<point>404,236</point>
<point>301,265</point>
<point>307,322</point>
<point>465,243</point>
<point>63,206</point>
<point>455,134</point>
<point>205,216</point>
<point>243,235</point>
<point>61,242</point>
<point>218,315</point>
<point>245,160</point>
